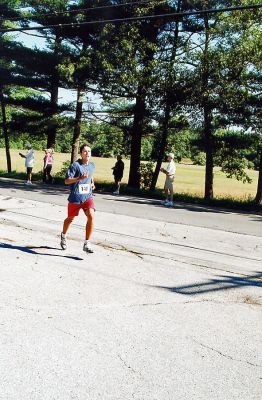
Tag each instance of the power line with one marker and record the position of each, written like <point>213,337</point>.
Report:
<point>140,18</point>
<point>81,10</point>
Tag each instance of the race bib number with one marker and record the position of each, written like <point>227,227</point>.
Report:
<point>84,188</point>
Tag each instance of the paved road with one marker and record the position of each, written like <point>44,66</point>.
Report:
<point>168,307</point>
<point>192,215</point>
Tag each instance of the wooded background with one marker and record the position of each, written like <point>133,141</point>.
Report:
<point>180,76</point>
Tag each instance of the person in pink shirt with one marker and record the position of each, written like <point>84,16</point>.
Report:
<point>48,164</point>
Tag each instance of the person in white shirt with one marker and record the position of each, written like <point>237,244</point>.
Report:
<point>170,177</point>
<point>29,162</point>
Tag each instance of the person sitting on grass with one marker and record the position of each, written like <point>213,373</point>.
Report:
<point>169,182</point>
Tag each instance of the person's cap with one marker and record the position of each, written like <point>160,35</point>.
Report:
<point>28,146</point>
<point>171,155</point>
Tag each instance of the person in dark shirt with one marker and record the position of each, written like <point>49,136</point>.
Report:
<point>80,177</point>
<point>118,171</point>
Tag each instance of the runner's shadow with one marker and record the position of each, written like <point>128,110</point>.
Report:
<point>29,250</point>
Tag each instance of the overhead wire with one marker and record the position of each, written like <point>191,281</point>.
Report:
<point>82,10</point>
<point>138,18</point>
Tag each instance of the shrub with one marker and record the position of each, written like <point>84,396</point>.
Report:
<point>199,158</point>
<point>146,171</point>
<point>62,172</point>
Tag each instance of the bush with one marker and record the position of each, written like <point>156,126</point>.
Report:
<point>199,158</point>
<point>62,172</point>
<point>146,149</point>
<point>146,171</point>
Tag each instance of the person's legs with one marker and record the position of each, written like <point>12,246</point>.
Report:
<point>44,175</point>
<point>89,229</point>
<point>171,190</point>
<point>166,190</point>
<point>171,193</point>
<point>48,171</point>
<point>73,211</point>
<point>117,183</point>
<point>66,225</point>
<point>29,175</point>
<point>90,212</point>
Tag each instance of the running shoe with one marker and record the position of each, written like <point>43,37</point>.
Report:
<point>88,247</point>
<point>165,202</point>
<point>63,242</point>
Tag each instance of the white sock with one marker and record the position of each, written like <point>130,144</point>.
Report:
<point>63,235</point>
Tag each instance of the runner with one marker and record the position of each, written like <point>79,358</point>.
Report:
<point>170,177</point>
<point>80,176</point>
<point>29,162</point>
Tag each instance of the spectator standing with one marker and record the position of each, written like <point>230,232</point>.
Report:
<point>170,177</point>
<point>29,162</point>
<point>118,171</point>
<point>48,164</point>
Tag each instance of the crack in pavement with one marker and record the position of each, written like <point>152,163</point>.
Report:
<point>128,366</point>
<point>150,239</point>
<point>93,345</point>
<point>120,248</point>
<point>190,261</point>
<point>224,355</point>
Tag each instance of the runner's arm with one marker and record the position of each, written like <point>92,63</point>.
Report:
<point>70,181</point>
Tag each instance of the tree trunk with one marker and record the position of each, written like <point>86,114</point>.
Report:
<point>258,198</point>
<point>51,134</point>
<point>77,125</point>
<point>5,131</point>
<point>162,146</point>
<point>207,117</point>
<point>168,96</point>
<point>140,108</point>
<point>136,140</point>
<point>209,155</point>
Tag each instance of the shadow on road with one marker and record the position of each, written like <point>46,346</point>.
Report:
<point>36,187</point>
<point>29,250</point>
<point>212,285</point>
<point>157,203</point>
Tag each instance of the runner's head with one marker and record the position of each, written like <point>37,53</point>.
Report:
<point>85,152</point>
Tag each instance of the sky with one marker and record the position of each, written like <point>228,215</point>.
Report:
<point>64,95</point>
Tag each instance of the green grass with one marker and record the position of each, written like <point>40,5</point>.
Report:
<point>189,183</point>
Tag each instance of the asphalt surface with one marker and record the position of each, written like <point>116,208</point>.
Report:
<point>187,214</point>
<point>168,307</point>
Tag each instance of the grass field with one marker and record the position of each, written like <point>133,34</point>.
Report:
<point>189,178</point>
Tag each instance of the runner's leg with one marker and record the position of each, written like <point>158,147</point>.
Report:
<point>90,212</point>
<point>67,223</point>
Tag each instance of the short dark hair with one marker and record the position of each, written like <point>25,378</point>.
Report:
<point>84,145</point>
